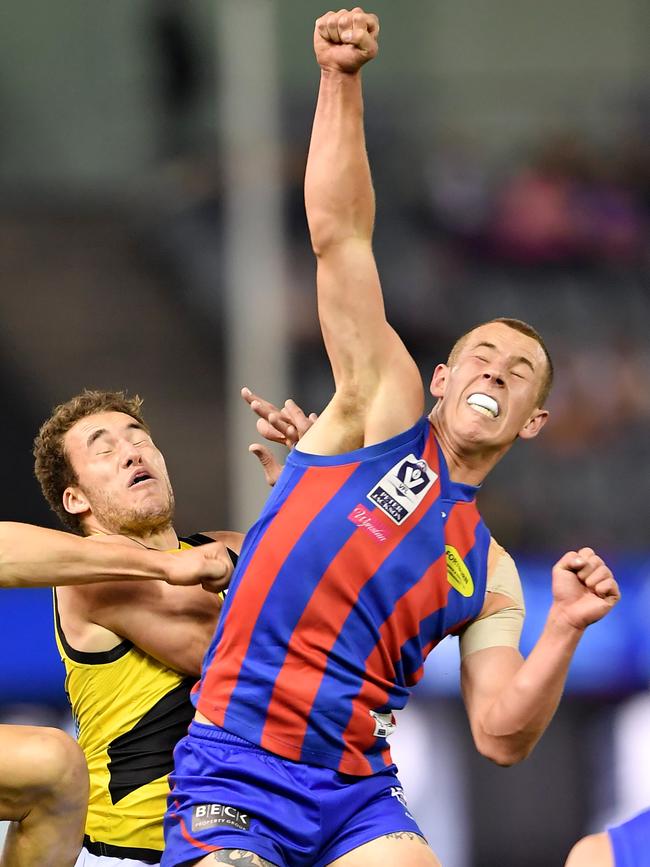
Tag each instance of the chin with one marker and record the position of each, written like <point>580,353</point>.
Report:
<point>478,439</point>
<point>145,525</point>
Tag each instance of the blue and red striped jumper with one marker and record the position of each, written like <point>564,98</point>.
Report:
<point>358,566</point>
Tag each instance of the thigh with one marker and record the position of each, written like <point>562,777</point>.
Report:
<point>236,858</point>
<point>391,850</point>
<point>358,811</point>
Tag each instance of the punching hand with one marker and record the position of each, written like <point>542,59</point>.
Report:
<point>345,40</point>
<point>209,565</point>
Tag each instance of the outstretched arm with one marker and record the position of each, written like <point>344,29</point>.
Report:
<point>378,387</point>
<point>37,557</point>
<point>509,701</point>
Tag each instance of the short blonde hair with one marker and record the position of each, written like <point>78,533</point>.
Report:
<point>524,328</point>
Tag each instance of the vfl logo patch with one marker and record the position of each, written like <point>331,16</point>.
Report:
<point>458,574</point>
<point>210,815</point>
<point>385,724</point>
<point>403,488</point>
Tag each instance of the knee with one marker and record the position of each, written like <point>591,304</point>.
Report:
<point>592,851</point>
<point>59,767</point>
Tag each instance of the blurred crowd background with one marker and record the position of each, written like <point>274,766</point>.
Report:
<point>152,237</point>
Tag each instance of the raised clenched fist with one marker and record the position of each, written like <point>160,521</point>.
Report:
<point>584,589</point>
<point>345,40</point>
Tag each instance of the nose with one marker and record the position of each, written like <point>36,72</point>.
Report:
<point>130,455</point>
<point>493,376</point>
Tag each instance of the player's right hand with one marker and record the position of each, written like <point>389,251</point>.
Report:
<point>345,40</point>
<point>209,565</point>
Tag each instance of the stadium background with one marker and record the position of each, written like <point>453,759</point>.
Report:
<point>152,236</point>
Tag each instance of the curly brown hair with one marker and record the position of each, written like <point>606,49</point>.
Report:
<point>52,466</point>
<point>524,328</point>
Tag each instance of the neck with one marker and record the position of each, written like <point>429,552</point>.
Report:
<point>466,466</point>
<point>160,539</point>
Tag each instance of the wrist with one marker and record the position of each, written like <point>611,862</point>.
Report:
<point>335,75</point>
<point>561,626</point>
<point>161,565</point>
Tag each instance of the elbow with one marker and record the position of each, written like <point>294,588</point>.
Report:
<point>323,236</point>
<point>329,230</point>
<point>504,751</point>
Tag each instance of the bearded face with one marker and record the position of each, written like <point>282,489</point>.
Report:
<point>122,482</point>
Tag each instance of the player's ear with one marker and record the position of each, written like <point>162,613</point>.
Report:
<point>75,501</point>
<point>439,380</point>
<point>534,424</point>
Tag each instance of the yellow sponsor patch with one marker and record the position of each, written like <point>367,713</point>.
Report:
<point>457,572</point>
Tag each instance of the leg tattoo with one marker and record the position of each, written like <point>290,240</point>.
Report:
<point>240,858</point>
<point>406,835</point>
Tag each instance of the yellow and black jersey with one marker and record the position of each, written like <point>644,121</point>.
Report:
<point>129,711</point>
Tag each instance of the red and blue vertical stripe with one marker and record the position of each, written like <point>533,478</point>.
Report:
<point>326,621</point>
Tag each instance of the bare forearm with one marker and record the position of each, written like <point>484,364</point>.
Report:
<point>524,708</point>
<point>37,557</point>
<point>339,197</point>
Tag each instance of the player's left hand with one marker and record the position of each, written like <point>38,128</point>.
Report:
<point>285,426</point>
<point>584,588</point>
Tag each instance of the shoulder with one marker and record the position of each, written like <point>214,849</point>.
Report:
<point>592,851</point>
<point>230,538</point>
<point>501,619</point>
<point>503,575</point>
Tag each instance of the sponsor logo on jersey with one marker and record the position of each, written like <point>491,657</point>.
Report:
<point>397,792</point>
<point>458,574</point>
<point>385,724</point>
<point>403,488</point>
<point>372,523</point>
<point>212,815</point>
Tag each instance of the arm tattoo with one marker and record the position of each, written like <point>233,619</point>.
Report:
<point>241,858</point>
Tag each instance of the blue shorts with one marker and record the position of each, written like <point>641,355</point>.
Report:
<point>631,842</point>
<point>230,794</point>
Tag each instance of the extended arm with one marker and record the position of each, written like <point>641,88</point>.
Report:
<point>509,701</point>
<point>172,624</point>
<point>378,387</point>
<point>37,557</point>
